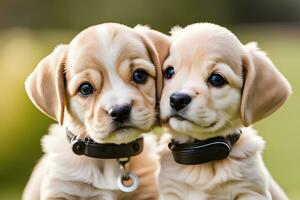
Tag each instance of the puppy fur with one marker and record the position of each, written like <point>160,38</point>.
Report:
<point>106,56</point>
<point>254,90</point>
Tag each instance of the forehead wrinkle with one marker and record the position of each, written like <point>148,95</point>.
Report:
<point>133,49</point>
<point>228,56</point>
<point>229,73</point>
<point>150,68</point>
<point>214,53</point>
<point>219,54</point>
<point>124,68</point>
<point>87,62</point>
<point>89,75</point>
<point>85,55</point>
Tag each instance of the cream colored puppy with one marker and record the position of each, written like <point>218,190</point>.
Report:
<point>215,86</point>
<point>102,85</point>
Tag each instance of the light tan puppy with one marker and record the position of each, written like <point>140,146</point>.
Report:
<point>102,85</point>
<point>215,86</point>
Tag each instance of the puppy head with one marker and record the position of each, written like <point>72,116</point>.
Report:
<point>214,84</point>
<point>103,83</point>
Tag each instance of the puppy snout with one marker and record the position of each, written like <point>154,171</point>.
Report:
<point>179,100</point>
<point>120,113</point>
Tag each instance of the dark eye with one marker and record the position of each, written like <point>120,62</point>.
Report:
<point>139,76</point>
<point>169,72</point>
<point>217,80</point>
<point>86,89</point>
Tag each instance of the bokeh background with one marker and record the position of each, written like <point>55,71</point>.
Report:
<point>30,29</point>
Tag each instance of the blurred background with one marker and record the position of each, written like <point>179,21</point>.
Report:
<point>30,29</point>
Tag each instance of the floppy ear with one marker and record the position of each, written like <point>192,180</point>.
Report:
<point>45,85</point>
<point>265,88</point>
<point>157,45</point>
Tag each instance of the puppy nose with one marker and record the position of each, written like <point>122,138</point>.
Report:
<point>179,100</point>
<point>120,113</point>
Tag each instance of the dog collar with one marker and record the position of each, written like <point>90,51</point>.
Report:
<point>203,151</point>
<point>90,148</point>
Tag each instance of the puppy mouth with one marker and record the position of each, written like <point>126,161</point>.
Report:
<point>121,127</point>
<point>186,130</point>
<point>120,133</point>
<point>180,118</point>
<point>126,126</point>
<point>184,119</point>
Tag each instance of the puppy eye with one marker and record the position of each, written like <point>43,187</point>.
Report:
<point>217,80</point>
<point>169,72</point>
<point>86,89</point>
<point>140,76</point>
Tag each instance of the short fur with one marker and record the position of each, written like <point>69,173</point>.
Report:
<point>106,56</point>
<point>255,89</point>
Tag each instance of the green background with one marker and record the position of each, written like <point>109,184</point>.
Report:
<point>29,30</point>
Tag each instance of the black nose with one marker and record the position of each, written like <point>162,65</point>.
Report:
<point>179,100</point>
<point>120,113</point>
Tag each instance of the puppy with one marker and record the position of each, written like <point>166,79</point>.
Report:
<point>103,85</point>
<point>214,88</point>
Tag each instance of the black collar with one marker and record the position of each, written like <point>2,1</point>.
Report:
<point>90,148</point>
<point>203,151</point>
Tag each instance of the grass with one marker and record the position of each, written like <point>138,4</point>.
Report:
<point>21,49</point>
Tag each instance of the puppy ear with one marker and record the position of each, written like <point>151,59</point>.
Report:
<point>45,85</point>
<point>265,88</point>
<point>157,45</point>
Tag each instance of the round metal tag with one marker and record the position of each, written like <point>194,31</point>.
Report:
<point>133,183</point>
